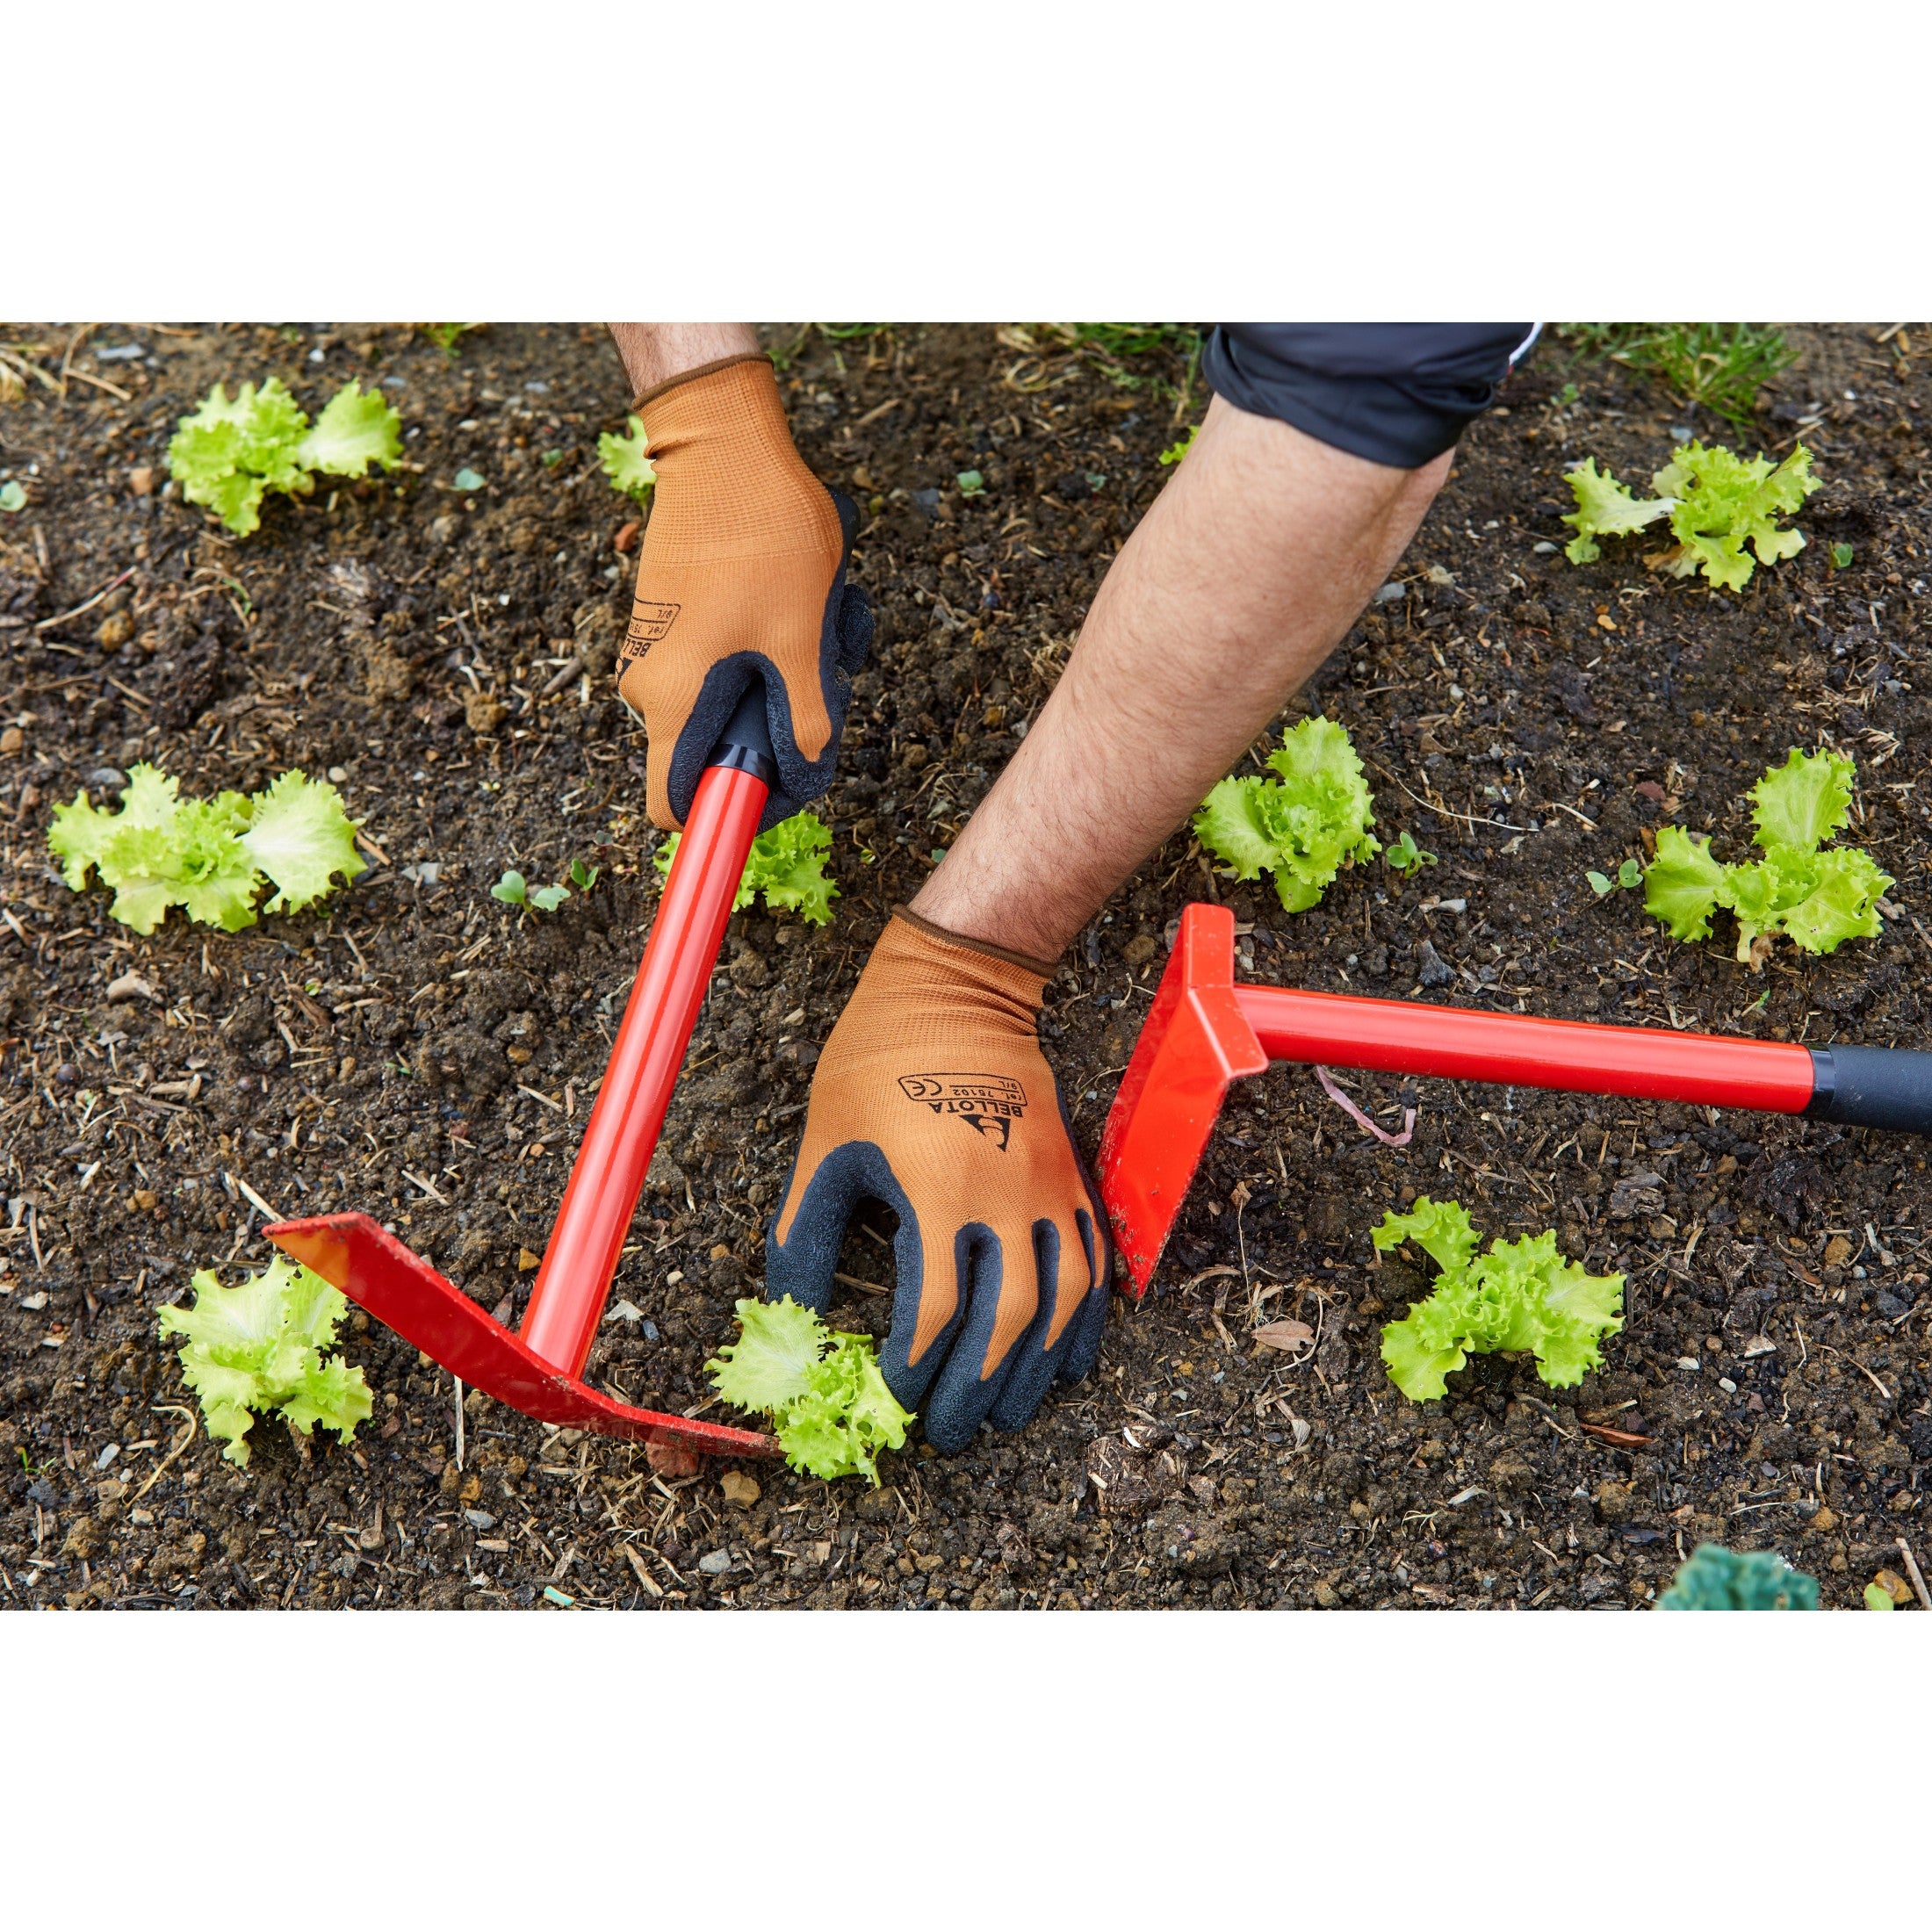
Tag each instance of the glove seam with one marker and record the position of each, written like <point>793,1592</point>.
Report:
<point>1045,968</point>
<point>692,375</point>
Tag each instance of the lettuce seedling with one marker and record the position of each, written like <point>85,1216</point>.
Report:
<point>1816,897</point>
<point>1716,501</point>
<point>823,1389</point>
<point>631,470</point>
<point>787,864</point>
<point>1716,1578</point>
<point>227,456</point>
<point>258,1347</point>
<point>207,855</point>
<point>1519,1295</point>
<point>1304,829</point>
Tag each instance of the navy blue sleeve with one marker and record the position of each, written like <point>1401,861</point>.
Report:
<point>1393,393</point>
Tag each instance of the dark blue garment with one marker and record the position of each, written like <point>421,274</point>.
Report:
<point>1393,393</point>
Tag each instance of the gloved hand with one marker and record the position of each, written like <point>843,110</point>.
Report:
<point>742,573</point>
<point>933,1096</point>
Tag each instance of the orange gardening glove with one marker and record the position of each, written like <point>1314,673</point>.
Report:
<point>742,576</point>
<point>933,1096</point>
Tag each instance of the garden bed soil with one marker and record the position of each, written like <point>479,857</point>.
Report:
<point>418,1051</point>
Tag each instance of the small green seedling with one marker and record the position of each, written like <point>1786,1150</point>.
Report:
<point>1405,856</point>
<point>1520,1296</point>
<point>787,864</point>
<point>1841,555</point>
<point>829,1404</point>
<point>1629,873</point>
<point>1176,452</point>
<point>446,336</point>
<point>971,483</point>
<point>1303,829</point>
<point>1817,896</point>
<point>1879,1598</point>
<point>227,456</point>
<point>625,463</point>
<point>207,855</point>
<point>466,480</point>
<point>1716,1578</point>
<point>515,889</point>
<point>12,497</point>
<point>257,1347</point>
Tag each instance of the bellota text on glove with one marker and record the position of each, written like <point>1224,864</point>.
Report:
<point>742,577</point>
<point>932,1096</point>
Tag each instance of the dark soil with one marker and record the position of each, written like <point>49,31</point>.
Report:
<point>410,636</point>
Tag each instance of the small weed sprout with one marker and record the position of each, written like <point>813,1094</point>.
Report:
<point>513,888</point>
<point>1405,856</point>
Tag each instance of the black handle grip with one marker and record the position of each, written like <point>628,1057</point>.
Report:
<point>1872,1086</point>
<point>745,744</point>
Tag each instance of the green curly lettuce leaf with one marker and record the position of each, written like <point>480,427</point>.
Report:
<point>354,431</point>
<point>257,1347</point>
<point>1682,885</point>
<point>787,864</point>
<point>1715,1578</point>
<point>1442,1230</point>
<point>1718,503</point>
<point>770,1364</point>
<point>830,1407</point>
<point>229,454</point>
<point>629,469</point>
<point>1305,827</point>
<point>1521,1296</point>
<point>206,855</point>
<point>1802,802</point>
<point>1816,897</point>
<point>1723,503</point>
<point>1841,901</point>
<point>1604,508</point>
<point>301,837</point>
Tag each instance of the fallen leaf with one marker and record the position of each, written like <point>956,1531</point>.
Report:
<point>1289,1336</point>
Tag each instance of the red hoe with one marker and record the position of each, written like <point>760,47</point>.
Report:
<point>1204,1033</point>
<point>539,1369</point>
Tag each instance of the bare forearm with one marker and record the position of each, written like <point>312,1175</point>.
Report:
<point>653,352</point>
<point>1243,575</point>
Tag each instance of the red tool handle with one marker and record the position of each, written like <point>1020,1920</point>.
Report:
<point>1521,1049</point>
<point>622,1133</point>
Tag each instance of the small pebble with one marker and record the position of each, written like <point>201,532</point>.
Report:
<point>715,1563</point>
<point>480,1519</point>
<point>110,776</point>
<point>1430,968</point>
<point>337,775</point>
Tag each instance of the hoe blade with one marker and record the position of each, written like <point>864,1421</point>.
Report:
<point>1194,1044</point>
<point>398,1287</point>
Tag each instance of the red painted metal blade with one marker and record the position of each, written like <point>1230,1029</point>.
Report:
<point>1194,1045</point>
<point>1522,1050</point>
<point>398,1287</point>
